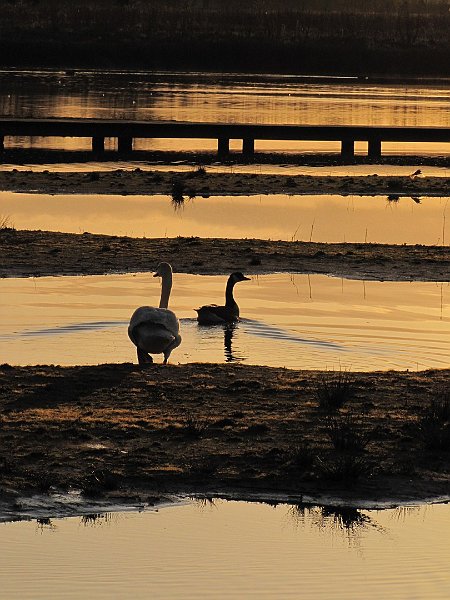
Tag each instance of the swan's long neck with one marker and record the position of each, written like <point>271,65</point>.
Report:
<point>229,299</point>
<point>165,290</point>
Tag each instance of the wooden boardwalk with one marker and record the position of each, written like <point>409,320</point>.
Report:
<point>126,131</point>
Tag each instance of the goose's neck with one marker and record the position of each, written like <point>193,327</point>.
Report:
<point>229,299</point>
<point>165,290</point>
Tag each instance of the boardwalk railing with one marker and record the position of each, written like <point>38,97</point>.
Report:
<point>127,131</point>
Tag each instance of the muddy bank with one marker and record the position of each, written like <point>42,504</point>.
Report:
<point>41,253</point>
<point>199,182</point>
<point>121,432</point>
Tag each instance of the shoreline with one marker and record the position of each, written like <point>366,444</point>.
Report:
<point>201,183</point>
<point>27,253</point>
<point>123,434</point>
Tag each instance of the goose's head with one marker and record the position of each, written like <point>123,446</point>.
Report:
<point>163,269</point>
<point>238,276</point>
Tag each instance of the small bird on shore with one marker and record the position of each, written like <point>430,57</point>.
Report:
<point>415,174</point>
<point>212,314</point>
<point>156,330</point>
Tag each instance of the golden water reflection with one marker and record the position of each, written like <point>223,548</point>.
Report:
<point>227,99</point>
<point>253,550</point>
<point>321,218</point>
<point>295,321</point>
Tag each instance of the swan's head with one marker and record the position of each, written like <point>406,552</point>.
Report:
<point>163,269</point>
<point>238,276</point>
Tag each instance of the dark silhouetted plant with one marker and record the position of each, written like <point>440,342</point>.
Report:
<point>302,456</point>
<point>193,426</point>
<point>434,424</point>
<point>347,467</point>
<point>334,389</point>
<point>98,482</point>
<point>346,434</point>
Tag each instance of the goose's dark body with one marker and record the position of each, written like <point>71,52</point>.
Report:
<point>212,314</point>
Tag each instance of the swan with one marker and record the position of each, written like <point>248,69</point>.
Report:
<point>213,314</point>
<point>156,330</point>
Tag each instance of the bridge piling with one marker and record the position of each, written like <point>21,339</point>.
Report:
<point>374,148</point>
<point>223,146</point>
<point>248,146</point>
<point>124,144</point>
<point>348,148</point>
<point>98,144</point>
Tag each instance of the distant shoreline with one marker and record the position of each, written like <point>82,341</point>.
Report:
<point>199,181</point>
<point>46,253</point>
<point>283,37</point>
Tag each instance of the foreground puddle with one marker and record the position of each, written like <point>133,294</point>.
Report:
<point>231,550</point>
<point>295,321</point>
<point>321,218</point>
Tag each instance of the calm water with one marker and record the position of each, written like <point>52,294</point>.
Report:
<point>324,218</point>
<point>228,99</point>
<point>296,321</point>
<point>231,550</point>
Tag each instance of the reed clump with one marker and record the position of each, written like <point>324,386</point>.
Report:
<point>434,423</point>
<point>347,433</point>
<point>334,389</point>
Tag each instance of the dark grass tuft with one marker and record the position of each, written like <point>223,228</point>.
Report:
<point>302,456</point>
<point>434,424</point>
<point>334,389</point>
<point>346,434</point>
<point>193,426</point>
<point>347,467</point>
<point>178,192</point>
<point>98,482</point>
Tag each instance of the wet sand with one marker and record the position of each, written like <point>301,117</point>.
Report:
<point>42,253</point>
<point>199,182</point>
<point>124,432</point>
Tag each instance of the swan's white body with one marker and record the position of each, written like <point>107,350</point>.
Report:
<point>156,330</point>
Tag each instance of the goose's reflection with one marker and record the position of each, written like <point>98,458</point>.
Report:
<point>228,333</point>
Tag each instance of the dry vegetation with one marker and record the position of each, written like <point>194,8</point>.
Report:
<point>119,430</point>
<point>202,183</point>
<point>39,253</point>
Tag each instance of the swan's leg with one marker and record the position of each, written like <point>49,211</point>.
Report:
<point>174,344</point>
<point>143,357</point>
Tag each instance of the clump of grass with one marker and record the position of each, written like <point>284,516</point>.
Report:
<point>177,193</point>
<point>42,482</point>
<point>347,467</point>
<point>302,456</point>
<point>346,435</point>
<point>198,172</point>
<point>333,390</point>
<point>434,424</point>
<point>98,482</point>
<point>178,189</point>
<point>393,183</point>
<point>193,426</point>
